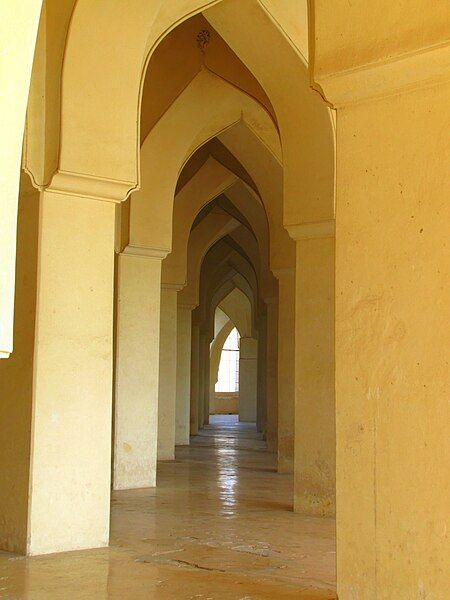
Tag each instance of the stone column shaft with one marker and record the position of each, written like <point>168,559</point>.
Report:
<point>286,369</point>
<point>201,379</point>
<point>315,437</point>
<point>271,369</point>
<point>66,504</point>
<point>71,435</point>
<point>195,333</point>
<point>137,370</point>
<point>167,373</point>
<point>248,374</point>
<point>183,375</point>
<point>261,409</point>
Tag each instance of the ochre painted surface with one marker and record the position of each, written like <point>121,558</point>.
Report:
<point>73,365</point>
<point>167,386</point>
<point>392,372</point>
<point>225,403</point>
<point>137,371</point>
<point>268,363</point>
<point>220,525</point>
<point>315,439</point>
<point>248,372</point>
<point>286,370</point>
<point>16,382</point>
<point>183,375</point>
<point>391,192</point>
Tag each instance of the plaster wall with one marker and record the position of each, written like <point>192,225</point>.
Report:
<point>167,374</point>
<point>137,371</point>
<point>348,36</point>
<point>16,382</point>
<point>392,374</point>
<point>226,403</point>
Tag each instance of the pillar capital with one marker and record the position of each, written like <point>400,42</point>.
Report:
<point>90,186</point>
<point>402,73</point>
<point>184,306</point>
<point>176,287</point>
<point>313,230</point>
<point>155,253</point>
<point>285,272</point>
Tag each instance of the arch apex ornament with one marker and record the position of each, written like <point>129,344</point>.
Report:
<point>203,39</point>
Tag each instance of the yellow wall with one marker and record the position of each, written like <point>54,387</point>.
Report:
<point>392,374</point>
<point>16,382</point>
<point>226,403</point>
<point>315,441</point>
<point>72,403</point>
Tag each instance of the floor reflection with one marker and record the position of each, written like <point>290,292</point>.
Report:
<point>219,526</point>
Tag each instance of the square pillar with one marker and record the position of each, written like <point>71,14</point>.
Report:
<point>207,380</point>
<point>248,372</point>
<point>137,367</point>
<point>261,403</point>
<point>392,345</point>
<point>203,346</point>
<point>194,411</point>
<point>167,372</point>
<point>286,369</point>
<point>183,375</point>
<point>315,437</point>
<point>71,436</point>
<point>64,390</point>
<point>16,381</point>
<point>270,368</point>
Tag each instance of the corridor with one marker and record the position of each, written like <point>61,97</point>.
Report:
<point>219,526</point>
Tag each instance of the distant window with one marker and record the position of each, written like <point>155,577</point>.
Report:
<point>228,379</point>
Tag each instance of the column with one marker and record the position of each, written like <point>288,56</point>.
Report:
<point>195,342</point>
<point>16,381</point>
<point>167,372</point>
<point>201,379</point>
<point>315,437</point>
<point>248,352</point>
<point>183,375</point>
<point>70,464</point>
<point>261,406</point>
<point>207,382</point>
<point>271,369</point>
<point>286,369</point>
<point>392,301</point>
<point>137,367</point>
<point>392,345</point>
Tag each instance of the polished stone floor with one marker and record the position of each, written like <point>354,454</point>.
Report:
<point>219,526</point>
